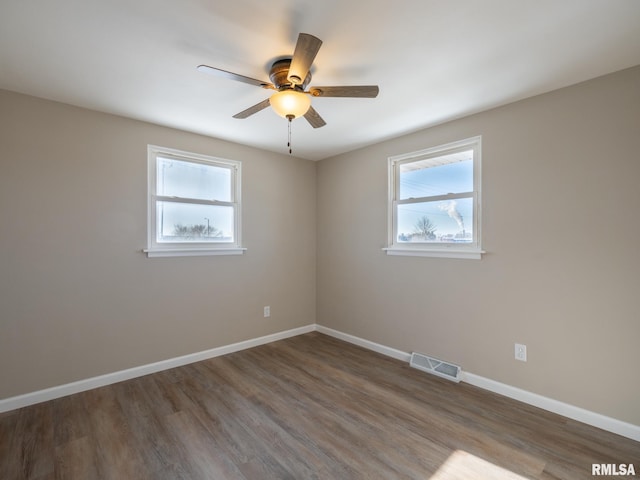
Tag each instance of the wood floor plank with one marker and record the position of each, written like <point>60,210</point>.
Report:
<point>204,457</point>
<point>10,441</point>
<point>74,459</point>
<point>346,427</point>
<point>114,451</point>
<point>145,424</point>
<point>308,407</point>
<point>290,406</point>
<point>70,419</point>
<point>254,438</point>
<point>36,453</point>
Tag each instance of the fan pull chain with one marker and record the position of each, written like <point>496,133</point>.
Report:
<point>290,118</point>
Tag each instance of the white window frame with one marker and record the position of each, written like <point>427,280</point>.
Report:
<point>447,250</point>
<point>180,249</point>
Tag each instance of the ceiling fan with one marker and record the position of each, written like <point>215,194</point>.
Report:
<point>289,78</point>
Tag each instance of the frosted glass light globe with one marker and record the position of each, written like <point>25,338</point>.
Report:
<point>290,103</point>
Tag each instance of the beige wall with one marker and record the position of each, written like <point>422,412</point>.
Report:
<point>560,206</point>
<point>77,296</point>
<point>561,227</point>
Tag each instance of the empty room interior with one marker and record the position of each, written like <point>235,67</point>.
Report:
<point>431,270</point>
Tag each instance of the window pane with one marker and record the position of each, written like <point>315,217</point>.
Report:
<point>451,173</point>
<point>448,221</point>
<point>183,222</point>
<point>176,178</point>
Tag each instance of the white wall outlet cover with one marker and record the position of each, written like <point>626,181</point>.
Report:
<point>521,352</point>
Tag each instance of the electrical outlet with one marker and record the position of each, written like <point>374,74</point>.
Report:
<point>521,352</point>
<point>267,311</point>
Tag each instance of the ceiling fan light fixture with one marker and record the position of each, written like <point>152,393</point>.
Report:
<point>290,76</point>
<point>288,102</point>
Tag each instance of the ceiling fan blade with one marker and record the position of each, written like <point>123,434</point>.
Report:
<point>233,76</point>
<point>356,91</point>
<point>314,118</point>
<point>251,110</point>
<point>306,50</point>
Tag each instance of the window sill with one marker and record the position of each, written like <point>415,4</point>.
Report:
<point>192,252</point>
<point>468,253</point>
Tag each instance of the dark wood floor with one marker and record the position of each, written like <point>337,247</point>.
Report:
<point>303,408</point>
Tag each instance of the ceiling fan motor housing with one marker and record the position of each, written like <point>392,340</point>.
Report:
<point>279,72</point>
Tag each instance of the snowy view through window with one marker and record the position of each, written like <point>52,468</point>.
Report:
<point>188,215</point>
<point>435,199</point>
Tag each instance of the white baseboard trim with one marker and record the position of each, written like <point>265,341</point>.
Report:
<point>27,399</point>
<point>576,413</point>
<point>376,347</point>
<point>570,411</point>
<point>566,410</point>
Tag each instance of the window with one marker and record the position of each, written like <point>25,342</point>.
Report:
<point>193,204</point>
<point>434,201</point>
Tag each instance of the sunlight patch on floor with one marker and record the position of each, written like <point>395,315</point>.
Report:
<point>462,465</point>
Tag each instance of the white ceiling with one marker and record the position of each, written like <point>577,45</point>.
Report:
<point>434,60</point>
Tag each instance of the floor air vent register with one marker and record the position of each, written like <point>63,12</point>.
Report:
<point>436,367</point>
